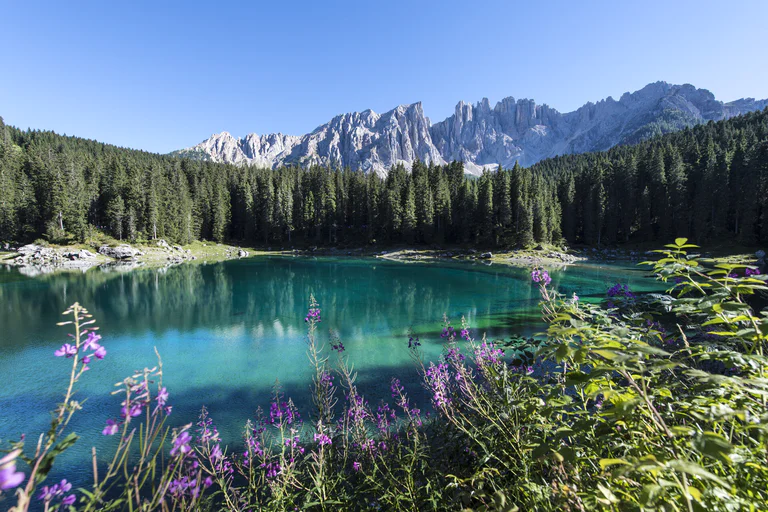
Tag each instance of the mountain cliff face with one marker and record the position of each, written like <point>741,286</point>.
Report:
<point>477,134</point>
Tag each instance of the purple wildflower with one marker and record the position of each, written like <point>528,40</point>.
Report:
<point>66,350</point>
<point>9,477</point>
<point>448,332</point>
<point>112,428</point>
<point>131,410</point>
<point>181,444</point>
<point>488,353</point>
<point>162,397</point>
<point>357,466</point>
<point>273,469</point>
<point>207,432</point>
<point>752,272</point>
<point>55,491</point>
<point>413,342</point>
<point>541,276</point>
<point>357,408</point>
<point>454,354</point>
<point>322,439</point>
<point>465,334</point>
<point>619,290</point>
<point>396,388</point>
<point>313,315</point>
<point>383,416</point>
<point>92,341</point>
<point>100,352</point>
<point>283,413</point>
<point>438,378</point>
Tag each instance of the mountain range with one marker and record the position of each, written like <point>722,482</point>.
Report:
<point>480,136</point>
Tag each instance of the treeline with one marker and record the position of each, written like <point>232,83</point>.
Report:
<point>56,186</point>
<point>708,181</point>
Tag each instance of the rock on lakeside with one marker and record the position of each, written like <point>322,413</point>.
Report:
<point>36,259</point>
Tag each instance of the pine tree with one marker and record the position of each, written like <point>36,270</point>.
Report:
<point>116,216</point>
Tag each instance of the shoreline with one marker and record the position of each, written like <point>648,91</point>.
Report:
<point>33,260</point>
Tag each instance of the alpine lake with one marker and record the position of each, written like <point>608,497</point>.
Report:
<point>232,333</point>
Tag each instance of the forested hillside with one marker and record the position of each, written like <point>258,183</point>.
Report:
<point>708,181</point>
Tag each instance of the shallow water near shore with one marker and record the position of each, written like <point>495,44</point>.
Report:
<point>228,332</point>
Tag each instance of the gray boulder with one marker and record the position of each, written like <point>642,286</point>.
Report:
<point>121,252</point>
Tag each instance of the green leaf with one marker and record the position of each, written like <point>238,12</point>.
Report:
<point>697,471</point>
<point>694,493</point>
<point>713,445</point>
<point>47,462</point>
<point>604,463</point>
<point>607,493</point>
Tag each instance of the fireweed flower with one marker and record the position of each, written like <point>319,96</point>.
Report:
<point>413,342</point>
<point>130,410</point>
<point>438,377</point>
<point>273,469</point>
<point>162,400</point>
<point>383,416</point>
<point>206,431</point>
<point>541,276</point>
<point>112,428</point>
<point>66,350</point>
<point>100,352</point>
<point>313,315</point>
<point>322,439</point>
<point>448,332</point>
<point>92,341</point>
<point>487,353</point>
<point>326,379</point>
<point>357,466</point>
<point>56,491</point>
<point>454,354</point>
<point>357,407</point>
<point>293,442</point>
<point>181,444</point>
<point>282,412</point>
<point>9,477</point>
<point>619,290</point>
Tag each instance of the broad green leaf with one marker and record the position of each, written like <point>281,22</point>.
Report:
<point>604,463</point>
<point>697,471</point>
<point>713,445</point>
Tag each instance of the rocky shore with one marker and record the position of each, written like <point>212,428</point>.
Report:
<point>35,259</point>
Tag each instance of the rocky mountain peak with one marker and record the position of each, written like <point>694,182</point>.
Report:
<point>480,136</point>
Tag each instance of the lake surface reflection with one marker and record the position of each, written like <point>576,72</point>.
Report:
<point>227,332</point>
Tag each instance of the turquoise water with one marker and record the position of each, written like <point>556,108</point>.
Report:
<point>227,332</point>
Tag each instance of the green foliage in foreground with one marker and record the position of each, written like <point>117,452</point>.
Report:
<point>642,403</point>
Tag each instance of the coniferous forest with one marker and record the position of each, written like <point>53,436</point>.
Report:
<point>706,182</point>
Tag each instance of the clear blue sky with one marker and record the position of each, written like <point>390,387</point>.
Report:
<point>161,76</point>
